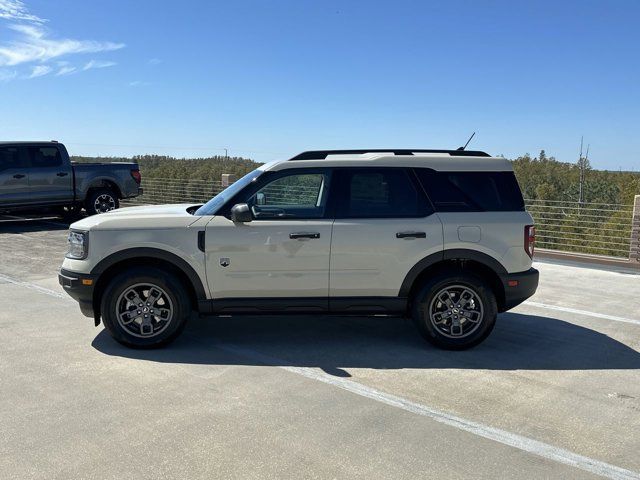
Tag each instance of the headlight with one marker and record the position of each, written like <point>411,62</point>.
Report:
<point>77,245</point>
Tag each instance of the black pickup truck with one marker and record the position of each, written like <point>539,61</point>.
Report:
<point>39,175</point>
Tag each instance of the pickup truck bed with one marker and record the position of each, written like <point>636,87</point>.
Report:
<point>39,175</point>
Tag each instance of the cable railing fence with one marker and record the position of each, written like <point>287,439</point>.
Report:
<point>163,190</point>
<point>598,228</point>
<point>588,227</point>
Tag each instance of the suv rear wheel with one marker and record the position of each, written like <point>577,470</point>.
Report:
<point>455,311</point>
<point>145,308</point>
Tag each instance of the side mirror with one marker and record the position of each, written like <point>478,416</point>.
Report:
<point>241,213</point>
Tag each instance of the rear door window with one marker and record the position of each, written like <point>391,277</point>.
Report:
<point>472,191</point>
<point>379,193</point>
<point>44,157</point>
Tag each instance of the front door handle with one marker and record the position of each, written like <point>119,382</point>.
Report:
<point>411,235</point>
<point>19,175</point>
<point>299,235</point>
<point>62,174</point>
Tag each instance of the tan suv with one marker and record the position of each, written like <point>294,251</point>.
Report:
<point>438,235</point>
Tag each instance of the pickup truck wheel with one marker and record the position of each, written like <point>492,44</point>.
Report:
<point>455,312</point>
<point>145,308</point>
<point>101,200</point>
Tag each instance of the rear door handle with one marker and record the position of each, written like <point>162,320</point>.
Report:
<point>411,235</point>
<point>298,235</point>
<point>19,175</point>
<point>62,174</point>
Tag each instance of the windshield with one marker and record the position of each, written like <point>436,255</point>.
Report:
<point>212,206</point>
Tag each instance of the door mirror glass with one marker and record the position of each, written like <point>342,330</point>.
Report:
<point>241,213</point>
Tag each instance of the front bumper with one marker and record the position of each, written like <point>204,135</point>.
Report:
<point>80,287</point>
<point>518,287</point>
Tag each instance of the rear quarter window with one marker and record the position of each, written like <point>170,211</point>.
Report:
<point>472,191</point>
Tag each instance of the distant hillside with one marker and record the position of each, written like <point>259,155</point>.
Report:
<point>541,177</point>
<point>544,178</point>
<point>157,166</point>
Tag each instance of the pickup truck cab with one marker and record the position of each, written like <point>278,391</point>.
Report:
<point>440,236</point>
<point>39,175</point>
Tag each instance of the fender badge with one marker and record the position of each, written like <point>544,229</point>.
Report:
<point>225,262</point>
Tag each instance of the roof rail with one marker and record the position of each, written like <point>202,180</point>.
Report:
<point>322,154</point>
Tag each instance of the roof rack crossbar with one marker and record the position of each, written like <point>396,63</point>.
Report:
<point>323,154</point>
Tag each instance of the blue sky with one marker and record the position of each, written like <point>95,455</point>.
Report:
<point>267,79</point>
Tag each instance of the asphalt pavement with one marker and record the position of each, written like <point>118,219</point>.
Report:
<point>554,392</point>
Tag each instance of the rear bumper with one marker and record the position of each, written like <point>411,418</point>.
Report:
<point>518,287</point>
<point>80,287</point>
<point>132,192</point>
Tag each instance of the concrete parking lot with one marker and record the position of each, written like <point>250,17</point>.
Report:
<point>553,393</point>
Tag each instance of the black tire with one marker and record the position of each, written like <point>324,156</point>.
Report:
<point>485,310</point>
<point>70,213</point>
<point>133,335</point>
<point>101,200</point>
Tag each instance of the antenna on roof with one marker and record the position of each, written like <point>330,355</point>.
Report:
<point>465,145</point>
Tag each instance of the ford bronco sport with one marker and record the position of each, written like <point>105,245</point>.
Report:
<point>438,235</point>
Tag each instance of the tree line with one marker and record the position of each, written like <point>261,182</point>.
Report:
<point>551,189</point>
<point>540,178</point>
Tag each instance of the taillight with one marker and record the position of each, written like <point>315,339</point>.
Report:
<point>529,239</point>
<point>136,176</point>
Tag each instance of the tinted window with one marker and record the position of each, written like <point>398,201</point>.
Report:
<point>472,191</point>
<point>291,196</point>
<point>42,157</point>
<point>9,158</point>
<point>379,193</point>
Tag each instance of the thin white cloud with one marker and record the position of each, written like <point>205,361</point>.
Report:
<point>98,64</point>
<point>154,61</point>
<point>17,11</point>
<point>66,70</point>
<point>138,83</point>
<point>35,45</point>
<point>40,70</point>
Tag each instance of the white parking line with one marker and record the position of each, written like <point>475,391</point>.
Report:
<point>46,220</point>
<point>583,312</point>
<point>33,286</point>
<point>520,442</point>
<point>504,437</point>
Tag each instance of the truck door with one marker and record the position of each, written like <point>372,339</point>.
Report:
<point>50,175</point>
<point>14,177</point>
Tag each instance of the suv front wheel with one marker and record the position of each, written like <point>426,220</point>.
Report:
<point>145,307</point>
<point>455,311</point>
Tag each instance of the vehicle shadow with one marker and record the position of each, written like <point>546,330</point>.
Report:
<point>28,224</point>
<point>519,342</point>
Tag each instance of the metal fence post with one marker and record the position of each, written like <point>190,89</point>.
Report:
<point>228,179</point>
<point>634,249</point>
